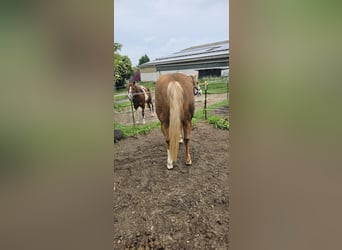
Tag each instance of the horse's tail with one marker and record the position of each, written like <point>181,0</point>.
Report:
<point>175,96</point>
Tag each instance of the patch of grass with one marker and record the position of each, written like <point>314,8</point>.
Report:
<point>219,122</point>
<point>219,104</point>
<point>215,86</point>
<point>199,114</point>
<point>130,130</point>
<point>214,78</point>
<point>150,85</point>
<point>120,91</point>
<point>120,97</point>
<point>122,105</point>
<point>217,91</point>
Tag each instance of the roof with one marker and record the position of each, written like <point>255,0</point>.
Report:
<point>194,53</point>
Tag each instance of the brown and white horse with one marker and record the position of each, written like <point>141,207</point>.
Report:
<point>140,95</point>
<point>174,100</point>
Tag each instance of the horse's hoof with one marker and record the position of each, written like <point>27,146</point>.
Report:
<point>188,163</point>
<point>169,166</point>
<point>181,141</point>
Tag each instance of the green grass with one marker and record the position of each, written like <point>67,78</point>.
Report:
<point>120,91</point>
<point>217,121</point>
<point>120,97</point>
<point>149,85</point>
<point>219,104</point>
<point>199,114</point>
<point>130,130</point>
<point>122,105</point>
<point>214,78</point>
<point>215,86</point>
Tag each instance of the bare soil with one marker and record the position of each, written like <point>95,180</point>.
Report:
<point>183,208</point>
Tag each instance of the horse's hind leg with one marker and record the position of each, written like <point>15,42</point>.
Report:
<point>165,130</point>
<point>181,136</point>
<point>187,130</point>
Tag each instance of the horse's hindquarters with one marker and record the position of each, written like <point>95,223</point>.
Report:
<point>174,104</point>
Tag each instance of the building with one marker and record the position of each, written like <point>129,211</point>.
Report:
<point>210,59</point>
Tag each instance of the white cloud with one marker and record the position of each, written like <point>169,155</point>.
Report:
<point>160,27</point>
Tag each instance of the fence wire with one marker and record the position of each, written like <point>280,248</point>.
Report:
<point>210,91</point>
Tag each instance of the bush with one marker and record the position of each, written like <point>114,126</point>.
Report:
<point>219,122</point>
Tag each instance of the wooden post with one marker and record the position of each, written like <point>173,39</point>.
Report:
<point>227,89</point>
<point>205,99</point>
<point>132,113</point>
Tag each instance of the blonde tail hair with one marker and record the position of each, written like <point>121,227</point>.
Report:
<point>175,96</point>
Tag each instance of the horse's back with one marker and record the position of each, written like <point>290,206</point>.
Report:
<point>166,78</point>
<point>182,79</point>
<point>161,96</point>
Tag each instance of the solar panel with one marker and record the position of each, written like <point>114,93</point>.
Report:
<point>209,50</point>
<point>196,51</point>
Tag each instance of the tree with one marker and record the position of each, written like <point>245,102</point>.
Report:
<point>143,59</point>
<point>122,67</point>
<point>117,46</point>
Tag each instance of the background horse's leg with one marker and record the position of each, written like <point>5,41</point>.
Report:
<point>143,114</point>
<point>152,105</point>
<point>136,109</point>
<point>153,114</point>
<point>187,131</point>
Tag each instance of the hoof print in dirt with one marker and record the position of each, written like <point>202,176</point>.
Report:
<point>118,135</point>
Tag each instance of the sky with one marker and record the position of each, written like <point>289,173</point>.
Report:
<point>158,28</point>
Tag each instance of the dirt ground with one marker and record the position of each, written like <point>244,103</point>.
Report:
<point>183,208</point>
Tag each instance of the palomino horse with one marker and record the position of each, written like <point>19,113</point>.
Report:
<point>175,108</point>
<point>140,95</point>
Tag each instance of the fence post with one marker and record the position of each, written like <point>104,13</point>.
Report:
<point>227,88</point>
<point>205,99</point>
<point>132,113</point>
